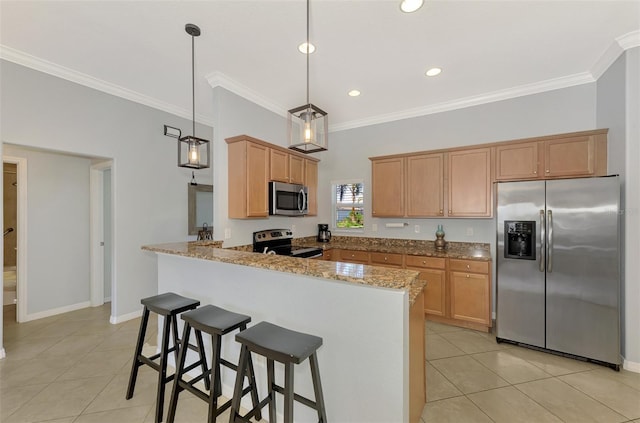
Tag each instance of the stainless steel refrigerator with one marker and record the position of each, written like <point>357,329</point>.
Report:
<point>558,266</point>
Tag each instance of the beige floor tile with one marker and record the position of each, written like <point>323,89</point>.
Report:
<point>568,403</point>
<point>99,363</point>
<point>471,342</point>
<point>59,400</point>
<point>509,367</point>
<point>467,374</point>
<point>119,340</point>
<point>122,415</point>
<point>620,397</point>
<point>436,327</point>
<point>623,376</point>
<point>438,387</point>
<point>59,329</point>
<point>113,396</point>
<point>25,349</point>
<point>13,398</point>
<point>73,345</point>
<point>35,371</point>
<point>508,405</point>
<point>437,347</point>
<point>453,410</point>
<point>553,364</point>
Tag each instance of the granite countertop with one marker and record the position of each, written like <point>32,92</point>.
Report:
<point>456,250</point>
<point>346,272</point>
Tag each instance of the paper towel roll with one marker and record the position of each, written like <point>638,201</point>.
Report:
<point>396,225</point>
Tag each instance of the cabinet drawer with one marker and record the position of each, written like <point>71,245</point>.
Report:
<point>470,266</point>
<point>354,256</point>
<point>387,259</point>
<point>425,262</point>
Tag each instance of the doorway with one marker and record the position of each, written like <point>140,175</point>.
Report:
<point>101,233</point>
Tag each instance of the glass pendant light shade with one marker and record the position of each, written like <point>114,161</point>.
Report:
<point>193,152</point>
<point>308,129</point>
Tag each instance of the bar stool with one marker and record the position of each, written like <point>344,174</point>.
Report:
<point>168,305</point>
<point>287,347</point>
<point>216,322</point>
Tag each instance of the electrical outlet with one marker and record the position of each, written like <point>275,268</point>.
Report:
<point>416,228</point>
<point>374,227</point>
<point>469,231</point>
<point>227,233</point>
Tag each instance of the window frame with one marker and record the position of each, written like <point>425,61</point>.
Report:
<point>334,204</point>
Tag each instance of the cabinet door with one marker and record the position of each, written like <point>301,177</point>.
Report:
<point>386,260</point>
<point>352,256</point>
<point>279,170</point>
<point>257,180</point>
<point>569,157</point>
<point>470,183</point>
<point>387,191</point>
<point>435,292</point>
<point>425,185</point>
<point>470,297</point>
<point>517,162</point>
<point>311,181</point>
<point>296,169</point>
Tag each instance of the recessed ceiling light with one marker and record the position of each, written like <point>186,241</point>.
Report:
<point>354,93</point>
<point>303,48</point>
<point>410,6</point>
<point>433,72</point>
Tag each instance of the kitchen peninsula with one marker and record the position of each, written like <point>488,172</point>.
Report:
<point>370,318</point>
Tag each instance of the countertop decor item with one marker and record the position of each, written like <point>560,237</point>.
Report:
<point>193,152</point>
<point>440,242</point>
<point>308,125</point>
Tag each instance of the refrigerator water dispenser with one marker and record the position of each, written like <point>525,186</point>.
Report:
<point>520,239</point>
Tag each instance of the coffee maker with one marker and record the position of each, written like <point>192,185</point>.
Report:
<point>324,234</point>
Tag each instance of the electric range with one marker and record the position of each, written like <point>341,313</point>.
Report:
<point>278,241</point>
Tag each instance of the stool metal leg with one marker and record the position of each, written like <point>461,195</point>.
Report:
<point>271,380</point>
<point>162,372</point>
<point>288,393</point>
<point>173,403</point>
<point>136,362</point>
<point>317,388</point>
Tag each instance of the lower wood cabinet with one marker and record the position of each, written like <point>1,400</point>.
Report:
<point>387,260</point>
<point>351,256</point>
<point>432,270</point>
<point>470,291</point>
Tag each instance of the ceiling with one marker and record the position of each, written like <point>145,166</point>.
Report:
<point>488,50</point>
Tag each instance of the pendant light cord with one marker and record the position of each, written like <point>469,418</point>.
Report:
<point>193,84</point>
<point>308,51</point>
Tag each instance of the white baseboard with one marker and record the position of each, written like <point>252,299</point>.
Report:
<point>632,366</point>
<point>55,311</point>
<point>107,299</point>
<point>119,319</point>
<point>3,354</point>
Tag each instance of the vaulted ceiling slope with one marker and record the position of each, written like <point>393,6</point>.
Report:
<point>488,50</point>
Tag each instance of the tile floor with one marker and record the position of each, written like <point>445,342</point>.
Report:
<point>74,367</point>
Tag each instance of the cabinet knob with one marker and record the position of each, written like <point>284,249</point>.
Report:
<point>441,212</point>
<point>468,266</point>
<point>353,255</point>
<point>467,275</point>
<point>449,211</point>
<point>535,171</point>
<point>374,212</point>
<point>385,259</point>
<point>424,262</point>
<point>547,170</point>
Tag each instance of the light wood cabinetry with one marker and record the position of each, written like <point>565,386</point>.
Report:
<point>311,181</point>
<point>253,163</point>
<point>425,185</point>
<point>387,194</point>
<point>571,155</point>
<point>432,270</point>
<point>470,291</point>
<point>386,259</point>
<point>351,256</point>
<point>469,183</point>
<point>249,171</point>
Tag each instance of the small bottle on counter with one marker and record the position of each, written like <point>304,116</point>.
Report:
<point>440,242</point>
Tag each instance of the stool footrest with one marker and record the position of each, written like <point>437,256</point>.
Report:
<point>254,411</point>
<point>297,397</point>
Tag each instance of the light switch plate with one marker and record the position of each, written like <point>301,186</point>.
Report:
<point>374,227</point>
<point>416,228</point>
<point>469,231</point>
<point>227,233</point>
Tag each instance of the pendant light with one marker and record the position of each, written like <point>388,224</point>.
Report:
<point>308,125</point>
<point>193,152</point>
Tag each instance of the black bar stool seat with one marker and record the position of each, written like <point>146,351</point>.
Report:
<point>288,347</point>
<point>168,305</point>
<point>216,322</point>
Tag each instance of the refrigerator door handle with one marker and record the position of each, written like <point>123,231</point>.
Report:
<point>550,242</point>
<point>542,239</point>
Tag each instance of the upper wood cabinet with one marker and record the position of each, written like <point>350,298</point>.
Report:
<point>469,187</point>
<point>248,180</point>
<point>387,192</point>
<point>562,156</point>
<point>425,185</point>
<point>253,163</point>
<point>311,181</point>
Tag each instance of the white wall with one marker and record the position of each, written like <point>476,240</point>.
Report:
<point>149,190</point>
<point>57,229</point>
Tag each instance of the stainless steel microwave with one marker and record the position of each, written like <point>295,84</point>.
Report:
<point>288,199</point>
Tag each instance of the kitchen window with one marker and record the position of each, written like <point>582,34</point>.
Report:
<point>348,205</point>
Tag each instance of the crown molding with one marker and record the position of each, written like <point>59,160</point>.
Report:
<point>630,40</point>
<point>219,79</point>
<point>41,65</point>
<point>506,94</point>
<point>622,43</point>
